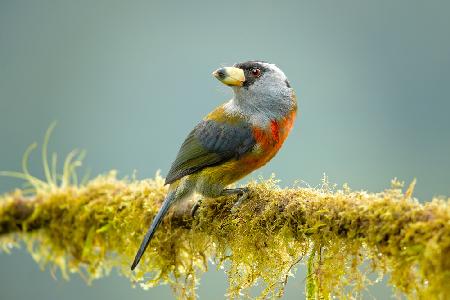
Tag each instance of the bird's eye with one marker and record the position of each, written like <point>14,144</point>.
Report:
<point>256,72</point>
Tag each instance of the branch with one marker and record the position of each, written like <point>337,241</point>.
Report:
<point>91,229</point>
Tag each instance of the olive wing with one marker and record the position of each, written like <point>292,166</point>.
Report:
<point>211,143</point>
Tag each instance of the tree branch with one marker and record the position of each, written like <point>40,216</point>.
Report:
<point>94,228</point>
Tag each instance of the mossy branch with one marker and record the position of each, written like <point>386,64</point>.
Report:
<point>93,228</point>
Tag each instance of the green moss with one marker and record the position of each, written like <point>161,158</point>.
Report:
<point>93,228</point>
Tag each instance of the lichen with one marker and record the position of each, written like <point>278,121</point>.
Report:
<point>342,235</point>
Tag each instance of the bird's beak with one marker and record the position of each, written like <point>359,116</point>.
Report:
<point>230,76</point>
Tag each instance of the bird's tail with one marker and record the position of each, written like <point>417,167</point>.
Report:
<point>151,231</point>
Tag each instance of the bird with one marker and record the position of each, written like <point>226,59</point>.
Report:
<point>233,140</point>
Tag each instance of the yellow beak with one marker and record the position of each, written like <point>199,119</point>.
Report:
<point>230,76</point>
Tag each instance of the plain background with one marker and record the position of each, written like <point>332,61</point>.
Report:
<point>126,80</point>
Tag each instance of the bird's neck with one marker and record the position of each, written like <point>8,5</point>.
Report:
<point>260,110</point>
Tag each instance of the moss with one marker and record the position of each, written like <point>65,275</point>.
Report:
<point>93,228</point>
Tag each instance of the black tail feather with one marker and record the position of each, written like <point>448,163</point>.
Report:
<point>151,231</point>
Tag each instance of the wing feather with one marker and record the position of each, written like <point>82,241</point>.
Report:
<point>211,143</point>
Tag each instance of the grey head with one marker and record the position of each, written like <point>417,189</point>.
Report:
<point>265,94</point>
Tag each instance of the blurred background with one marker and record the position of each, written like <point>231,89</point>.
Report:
<point>127,80</point>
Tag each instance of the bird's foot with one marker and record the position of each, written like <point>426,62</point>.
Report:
<point>239,201</point>
<point>242,195</point>
<point>196,207</point>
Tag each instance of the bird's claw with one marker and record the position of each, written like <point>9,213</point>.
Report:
<point>242,195</point>
<point>241,198</point>
<point>195,207</point>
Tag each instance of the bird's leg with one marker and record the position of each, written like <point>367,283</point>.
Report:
<point>242,195</point>
<point>236,191</point>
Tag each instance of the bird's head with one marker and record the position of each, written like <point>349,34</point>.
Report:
<point>259,87</point>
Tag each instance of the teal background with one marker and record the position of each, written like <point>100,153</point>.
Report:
<point>126,81</point>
